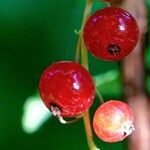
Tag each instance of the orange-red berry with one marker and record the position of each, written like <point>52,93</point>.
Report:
<point>113,121</point>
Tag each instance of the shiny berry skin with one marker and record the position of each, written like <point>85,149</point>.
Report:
<point>113,121</point>
<point>67,86</point>
<point>111,33</point>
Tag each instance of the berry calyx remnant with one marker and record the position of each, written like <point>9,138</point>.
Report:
<point>111,33</point>
<point>113,121</point>
<point>67,89</point>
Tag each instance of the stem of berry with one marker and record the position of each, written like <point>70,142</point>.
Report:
<point>84,60</point>
<point>80,42</point>
<point>108,4</point>
<point>77,56</point>
<point>89,133</point>
<point>99,95</point>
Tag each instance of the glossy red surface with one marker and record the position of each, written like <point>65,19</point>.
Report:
<point>111,33</point>
<point>113,121</point>
<point>67,85</point>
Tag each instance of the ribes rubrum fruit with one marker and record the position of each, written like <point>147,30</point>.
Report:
<point>67,88</point>
<point>111,33</point>
<point>113,121</point>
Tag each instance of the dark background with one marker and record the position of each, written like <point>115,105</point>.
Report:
<point>33,34</point>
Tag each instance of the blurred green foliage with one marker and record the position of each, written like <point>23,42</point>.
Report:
<point>33,34</point>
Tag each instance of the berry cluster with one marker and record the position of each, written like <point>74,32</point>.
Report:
<point>67,88</point>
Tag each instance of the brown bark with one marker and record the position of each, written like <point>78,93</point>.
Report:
<point>133,76</point>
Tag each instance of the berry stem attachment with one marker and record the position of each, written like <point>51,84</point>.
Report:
<point>57,113</point>
<point>63,121</point>
<point>84,60</point>
<point>99,95</point>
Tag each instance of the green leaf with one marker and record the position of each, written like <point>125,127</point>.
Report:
<point>109,83</point>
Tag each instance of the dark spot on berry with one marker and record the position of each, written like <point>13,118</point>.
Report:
<point>114,49</point>
<point>124,133</point>
<point>55,109</point>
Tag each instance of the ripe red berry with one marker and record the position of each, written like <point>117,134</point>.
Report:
<point>111,33</point>
<point>113,121</point>
<point>66,88</point>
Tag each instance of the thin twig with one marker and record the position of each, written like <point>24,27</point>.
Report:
<point>84,61</point>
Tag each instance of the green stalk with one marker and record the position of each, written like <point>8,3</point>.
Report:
<point>84,61</point>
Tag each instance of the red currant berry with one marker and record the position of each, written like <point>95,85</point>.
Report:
<point>111,33</point>
<point>66,88</point>
<point>113,121</point>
